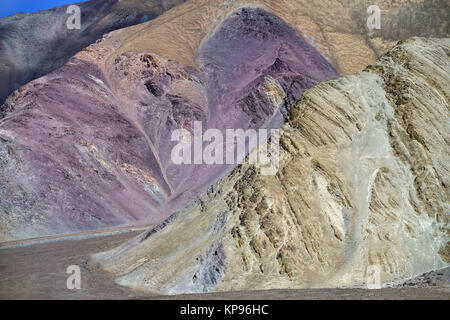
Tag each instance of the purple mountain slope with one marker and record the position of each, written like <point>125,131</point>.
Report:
<point>32,45</point>
<point>89,145</point>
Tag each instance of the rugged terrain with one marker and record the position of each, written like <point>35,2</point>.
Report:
<point>37,270</point>
<point>363,182</point>
<point>336,29</point>
<point>88,146</point>
<point>34,44</point>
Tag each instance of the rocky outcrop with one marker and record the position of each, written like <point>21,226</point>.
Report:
<point>363,181</point>
<point>336,29</point>
<point>32,45</point>
<point>89,145</point>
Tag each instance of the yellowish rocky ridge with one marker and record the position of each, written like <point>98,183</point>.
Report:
<point>363,181</point>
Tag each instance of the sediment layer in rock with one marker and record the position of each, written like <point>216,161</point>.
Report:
<point>362,186</point>
<point>88,145</point>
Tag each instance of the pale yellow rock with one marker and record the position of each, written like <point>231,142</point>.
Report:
<point>363,182</point>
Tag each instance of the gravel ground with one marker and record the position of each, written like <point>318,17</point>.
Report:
<point>438,278</point>
<point>39,272</point>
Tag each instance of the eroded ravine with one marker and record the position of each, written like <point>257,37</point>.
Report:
<point>93,139</point>
<point>361,185</point>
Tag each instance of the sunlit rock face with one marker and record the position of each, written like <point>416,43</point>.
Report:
<point>252,69</point>
<point>362,186</point>
<point>249,46</point>
<point>32,45</point>
<point>89,145</point>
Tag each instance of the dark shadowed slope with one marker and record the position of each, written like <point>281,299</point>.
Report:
<point>32,45</point>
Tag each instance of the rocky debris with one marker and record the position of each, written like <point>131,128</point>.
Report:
<point>89,145</point>
<point>38,272</point>
<point>363,182</point>
<point>32,45</point>
<point>438,278</point>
